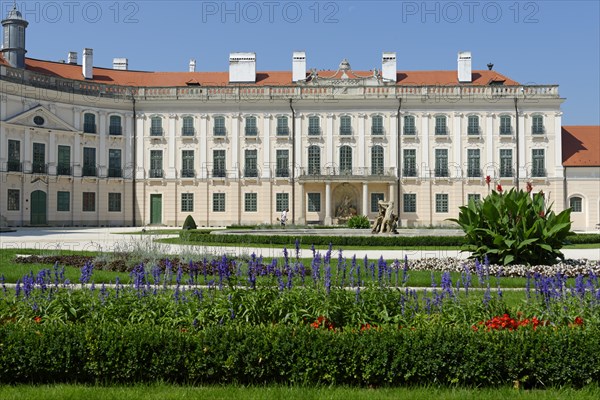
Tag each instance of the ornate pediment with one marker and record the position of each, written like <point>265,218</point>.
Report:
<point>345,76</point>
<point>39,117</point>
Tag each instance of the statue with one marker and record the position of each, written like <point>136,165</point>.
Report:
<point>345,210</point>
<point>386,220</point>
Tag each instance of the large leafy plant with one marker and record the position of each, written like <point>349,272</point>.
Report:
<point>514,227</point>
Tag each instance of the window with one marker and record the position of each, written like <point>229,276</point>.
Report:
<point>473,125</point>
<point>187,164</point>
<point>114,127</point>
<point>156,164</point>
<point>441,203</point>
<point>63,201</point>
<point>219,170</point>
<point>576,204</point>
<point>441,162</point>
<point>250,202</point>
<point>538,162</point>
<point>314,125</point>
<point>219,128</point>
<point>14,155</point>
<point>506,164</point>
<point>89,162</point>
<point>13,200</point>
<point>473,163</point>
<point>251,164</point>
<point>345,125</point>
<point>282,202</point>
<point>409,125</point>
<point>218,202</point>
<point>89,201</point>
<point>156,126</point>
<point>64,160</point>
<point>410,162</point>
<point>89,123</point>
<point>282,126</point>
<point>375,197</point>
<point>505,128</point>
<point>537,125</point>
<point>440,125</point>
<point>282,169</point>
<point>377,125</point>
<point>39,158</point>
<point>410,202</point>
<point>251,129</point>
<point>187,202</point>
<point>114,202</point>
<point>377,160</point>
<point>187,126</point>
<point>114,163</point>
<point>473,197</point>
<point>314,202</point>
<point>345,160</point>
<point>314,160</point>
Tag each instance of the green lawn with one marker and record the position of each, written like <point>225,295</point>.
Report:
<point>232,392</point>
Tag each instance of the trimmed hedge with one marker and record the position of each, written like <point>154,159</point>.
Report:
<point>437,354</point>
<point>374,240</point>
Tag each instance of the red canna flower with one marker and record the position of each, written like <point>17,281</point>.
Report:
<point>499,188</point>
<point>529,187</point>
<point>578,321</point>
<point>37,320</point>
<point>542,214</point>
<point>488,179</point>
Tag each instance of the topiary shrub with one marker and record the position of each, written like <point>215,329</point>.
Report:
<point>359,222</point>
<point>189,223</point>
<point>514,228</point>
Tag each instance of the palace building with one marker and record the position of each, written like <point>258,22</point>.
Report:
<point>87,146</point>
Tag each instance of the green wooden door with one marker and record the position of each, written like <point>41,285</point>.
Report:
<point>38,208</point>
<point>156,209</point>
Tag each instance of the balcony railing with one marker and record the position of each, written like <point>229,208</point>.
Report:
<point>441,130</point>
<point>14,166</point>
<point>89,170</point>
<point>377,130</point>
<point>115,172</point>
<point>156,131</point>
<point>537,130</point>
<point>219,173</point>
<point>409,172</point>
<point>89,128</point>
<point>283,131</point>
<point>379,171</point>
<point>409,130</point>
<point>345,173</point>
<point>538,172</point>
<point>441,173</point>
<point>282,172</point>
<point>251,131</point>
<point>188,173</point>
<point>39,168</point>
<point>156,173</point>
<point>250,173</point>
<point>115,130</point>
<point>187,131</point>
<point>64,170</point>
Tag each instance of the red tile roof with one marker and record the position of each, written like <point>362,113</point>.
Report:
<point>266,78</point>
<point>581,146</point>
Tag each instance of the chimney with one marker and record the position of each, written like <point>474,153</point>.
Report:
<point>72,57</point>
<point>242,67</point>
<point>192,65</point>
<point>464,67</point>
<point>88,63</point>
<point>298,66</point>
<point>121,64</point>
<point>388,66</point>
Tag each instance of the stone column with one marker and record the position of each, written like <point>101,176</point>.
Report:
<point>328,219</point>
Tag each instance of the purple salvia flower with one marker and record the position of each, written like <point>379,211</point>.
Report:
<point>446,284</point>
<point>3,284</point>
<point>380,270</point>
<point>316,268</point>
<point>280,283</point>
<point>405,271</point>
<point>117,287</point>
<point>327,278</point>
<point>18,288</point>
<point>179,275</point>
<point>297,245</point>
<point>156,274</point>
<point>528,285</point>
<point>328,254</point>
<point>357,297</point>
<point>290,276</point>
<point>352,270</point>
<point>487,296</point>
<point>86,272</point>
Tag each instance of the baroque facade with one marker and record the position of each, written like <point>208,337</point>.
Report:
<point>88,146</point>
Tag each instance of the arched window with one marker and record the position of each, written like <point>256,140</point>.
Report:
<point>89,123</point>
<point>156,128</point>
<point>345,160</point>
<point>377,160</point>
<point>114,126</point>
<point>314,160</point>
<point>576,204</point>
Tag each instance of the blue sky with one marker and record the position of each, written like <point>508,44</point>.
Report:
<point>535,42</point>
